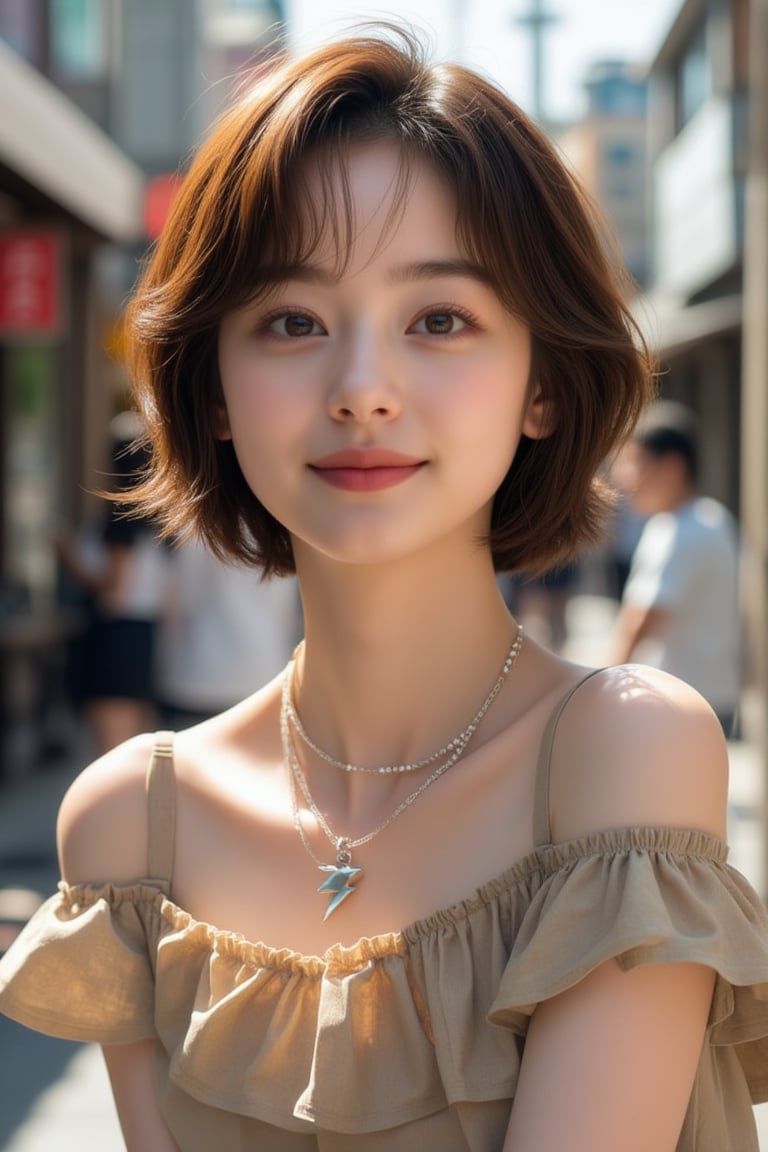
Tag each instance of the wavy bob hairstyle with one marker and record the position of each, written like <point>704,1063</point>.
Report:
<point>243,212</point>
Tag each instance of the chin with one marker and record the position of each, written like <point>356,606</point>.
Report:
<point>359,549</point>
<point>369,556</point>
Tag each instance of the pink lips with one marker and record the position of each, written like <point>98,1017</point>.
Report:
<point>366,469</point>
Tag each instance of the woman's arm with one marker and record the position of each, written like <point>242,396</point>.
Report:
<point>610,1063</point>
<point>102,835</point>
<point>635,627</point>
<point>130,1073</point>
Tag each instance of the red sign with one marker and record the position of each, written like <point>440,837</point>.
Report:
<point>158,200</point>
<point>30,283</point>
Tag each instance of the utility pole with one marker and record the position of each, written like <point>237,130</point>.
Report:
<point>537,21</point>
<point>754,465</point>
<point>457,27</point>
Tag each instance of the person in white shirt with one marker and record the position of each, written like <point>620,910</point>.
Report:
<point>679,610</point>
<point>224,633</point>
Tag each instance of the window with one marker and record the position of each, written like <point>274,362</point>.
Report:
<point>21,27</point>
<point>620,154</point>
<point>693,78</point>
<point>79,39</point>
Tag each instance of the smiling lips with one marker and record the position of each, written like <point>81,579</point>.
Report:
<point>366,469</point>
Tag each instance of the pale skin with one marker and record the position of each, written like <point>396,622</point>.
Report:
<point>405,633</point>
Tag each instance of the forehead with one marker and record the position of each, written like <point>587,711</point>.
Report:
<point>357,201</point>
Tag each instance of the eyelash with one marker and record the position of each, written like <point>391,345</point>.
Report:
<point>266,322</point>
<point>454,310</point>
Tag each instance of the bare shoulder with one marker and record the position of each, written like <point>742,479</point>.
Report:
<point>638,747</point>
<point>102,826</point>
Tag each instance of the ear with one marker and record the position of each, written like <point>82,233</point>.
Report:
<point>540,418</point>
<point>221,429</point>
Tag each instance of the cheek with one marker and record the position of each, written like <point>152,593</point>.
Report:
<point>489,417</point>
<point>245,386</point>
<point>269,437</point>
<point>257,407</point>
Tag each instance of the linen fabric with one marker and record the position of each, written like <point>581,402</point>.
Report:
<point>407,1040</point>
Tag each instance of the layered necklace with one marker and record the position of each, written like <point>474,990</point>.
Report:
<point>343,874</point>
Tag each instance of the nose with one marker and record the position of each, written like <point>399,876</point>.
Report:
<point>364,387</point>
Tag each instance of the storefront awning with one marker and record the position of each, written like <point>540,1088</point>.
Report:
<point>48,143</point>
<point>671,326</point>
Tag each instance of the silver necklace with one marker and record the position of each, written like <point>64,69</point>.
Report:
<point>343,874</point>
<point>454,748</point>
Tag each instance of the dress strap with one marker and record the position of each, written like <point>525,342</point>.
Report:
<point>542,832</point>
<point>161,809</point>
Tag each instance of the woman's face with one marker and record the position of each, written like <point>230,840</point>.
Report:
<point>376,412</point>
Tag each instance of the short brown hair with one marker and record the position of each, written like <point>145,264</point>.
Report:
<point>521,216</point>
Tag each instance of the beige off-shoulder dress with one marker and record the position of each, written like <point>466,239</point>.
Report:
<point>408,1041</point>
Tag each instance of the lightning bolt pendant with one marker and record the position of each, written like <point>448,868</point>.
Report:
<point>339,883</point>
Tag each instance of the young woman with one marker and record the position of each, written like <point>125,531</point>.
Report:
<point>433,887</point>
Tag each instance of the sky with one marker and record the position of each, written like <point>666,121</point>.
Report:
<point>484,34</point>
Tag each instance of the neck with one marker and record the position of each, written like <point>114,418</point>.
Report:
<point>398,658</point>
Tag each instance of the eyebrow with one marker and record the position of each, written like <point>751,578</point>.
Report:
<point>400,274</point>
<point>434,269</point>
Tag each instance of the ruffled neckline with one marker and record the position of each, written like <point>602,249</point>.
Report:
<point>404,1024</point>
<point>343,958</point>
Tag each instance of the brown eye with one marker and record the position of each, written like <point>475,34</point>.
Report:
<point>439,323</point>
<point>298,325</point>
<point>443,321</point>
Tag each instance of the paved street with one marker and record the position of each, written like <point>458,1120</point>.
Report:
<point>55,1095</point>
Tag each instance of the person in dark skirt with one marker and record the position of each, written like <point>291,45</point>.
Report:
<point>115,660</point>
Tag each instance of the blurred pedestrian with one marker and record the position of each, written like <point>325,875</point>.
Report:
<point>122,573</point>
<point>626,528</point>
<point>680,608</point>
<point>223,632</point>
<point>542,604</point>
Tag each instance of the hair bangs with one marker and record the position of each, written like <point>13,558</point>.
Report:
<point>314,219</point>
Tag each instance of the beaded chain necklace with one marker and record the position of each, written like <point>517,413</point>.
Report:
<point>342,874</point>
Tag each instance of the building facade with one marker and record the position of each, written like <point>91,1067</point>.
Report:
<point>102,102</point>
<point>66,191</point>
<point>698,103</point>
<point>608,149</point>
<point>706,307</point>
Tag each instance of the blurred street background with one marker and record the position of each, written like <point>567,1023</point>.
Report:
<point>661,108</point>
